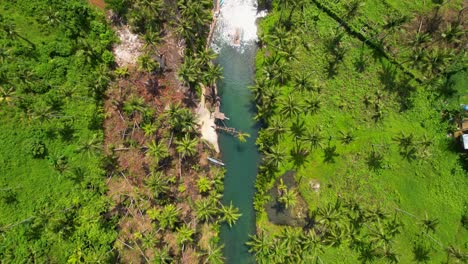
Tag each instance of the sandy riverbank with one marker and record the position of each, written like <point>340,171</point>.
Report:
<point>206,121</point>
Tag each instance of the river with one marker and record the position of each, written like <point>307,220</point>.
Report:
<point>241,159</point>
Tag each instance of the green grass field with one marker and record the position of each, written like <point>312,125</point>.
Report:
<point>430,183</point>
<point>52,187</point>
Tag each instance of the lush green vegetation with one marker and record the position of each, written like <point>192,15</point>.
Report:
<point>357,102</point>
<point>54,58</point>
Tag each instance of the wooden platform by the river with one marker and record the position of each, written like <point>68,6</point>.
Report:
<point>218,114</point>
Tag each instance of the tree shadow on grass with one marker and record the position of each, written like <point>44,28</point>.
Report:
<point>330,154</point>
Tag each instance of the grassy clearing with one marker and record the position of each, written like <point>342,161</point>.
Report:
<point>52,187</point>
<point>432,182</point>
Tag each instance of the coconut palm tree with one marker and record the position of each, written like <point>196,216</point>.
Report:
<point>91,146</point>
<point>158,184</point>
<point>230,214</point>
<point>181,120</point>
<point>189,71</point>
<point>290,106</point>
<point>311,246</point>
<point>298,129</point>
<point>149,129</point>
<point>184,235</point>
<point>205,209</point>
<point>288,198</point>
<point>314,138</point>
<point>242,136</point>
<point>186,147</point>
<point>421,252</point>
<point>134,105</point>
<point>214,254</point>
<point>312,105</point>
<point>347,137</point>
<point>275,156</point>
<point>260,244</point>
<point>212,74</point>
<point>158,151</point>
<point>387,253</point>
<point>168,217</point>
<point>152,39</point>
<point>299,155</point>
<point>301,82</point>
<point>277,127</point>
<point>456,254</point>
<point>162,255</point>
<point>7,95</point>
<point>429,224</point>
<point>147,64</point>
<point>204,184</point>
<point>328,215</point>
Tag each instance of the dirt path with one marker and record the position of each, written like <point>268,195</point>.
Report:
<point>98,3</point>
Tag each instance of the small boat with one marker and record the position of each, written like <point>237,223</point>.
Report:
<point>215,161</point>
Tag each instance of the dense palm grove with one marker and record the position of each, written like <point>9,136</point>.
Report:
<point>357,104</point>
<point>60,88</point>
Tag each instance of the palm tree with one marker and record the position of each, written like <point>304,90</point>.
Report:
<point>168,216</point>
<point>335,236</point>
<point>298,129</point>
<point>260,244</point>
<point>388,253</point>
<point>314,138</point>
<point>421,252</point>
<point>184,235</point>
<point>204,184</point>
<point>134,105</point>
<point>149,129</point>
<point>290,106</point>
<point>301,82</point>
<point>212,74</point>
<point>299,155</point>
<point>275,156</point>
<point>158,184</point>
<point>312,105</point>
<point>189,71</point>
<point>122,72</point>
<point>214,254</point>
<point>186,147</point>
<point>147,64</point>
<point>91,146</point>
<point>453,33</point>
<point>181,120</point>
<point>329,215</point>
<point>429,224</point>
<point>310,241</point>
<point>205,209</point>
<point>59,162</point>
<point>288,198</point>
<point>162,255</point>
<point>158,151</point>
<point>151,39</point>
<point>457,254</point>
<point>230,214</point>
<point>242,136</point>
<point>277,126</point>
<point>347,137</point>
<point>7,95</point>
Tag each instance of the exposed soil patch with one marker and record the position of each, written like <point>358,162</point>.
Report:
<point>129,49</point>
<point>277,214</point>
<point>98,3</point>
